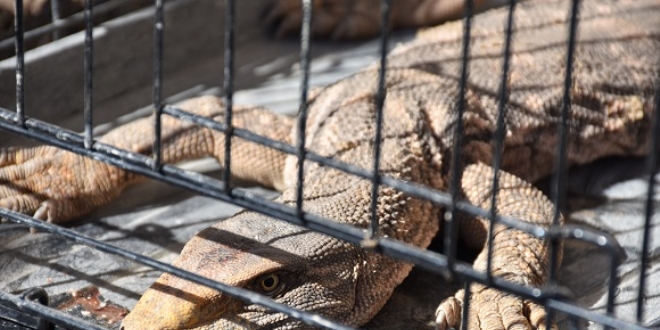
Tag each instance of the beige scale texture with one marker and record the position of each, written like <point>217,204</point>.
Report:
<point>616,71</point>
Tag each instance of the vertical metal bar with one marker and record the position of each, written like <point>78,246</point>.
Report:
<point>559,179</point>
<point>20,62</point>
<point>451,234</point>
<point>499,135</point>
<point>612,285</point>
<point>305,61</point>
<point>465,313</point>
<point>158,84</point>
<point>55,17</point>
<point>380,103</point>
<point>88,78</point>
<point>652,163</point>
<point>229,88</point>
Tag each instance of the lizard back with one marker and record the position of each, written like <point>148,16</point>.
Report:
<point>615,72</point>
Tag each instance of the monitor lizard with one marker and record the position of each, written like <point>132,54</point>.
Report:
<point>612,97</point>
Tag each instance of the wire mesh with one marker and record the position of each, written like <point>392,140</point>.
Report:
<point>20,61</point>
<point>552,297</point>
<point>305,56</point>
<point>65,18</point>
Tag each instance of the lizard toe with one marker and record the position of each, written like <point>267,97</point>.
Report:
<point>54,211</point>
<point>490,309</point>
<point>21,171</point>
<point>6,156</point>
<point>537,316</point>
<point>25,203</point>
<point>14,156</point>
<point>9,190</point>
<point>44,213</point>
<point>486,307</point>
<point>448,314</point>
<point>511,310</point>
<point>498,310</point>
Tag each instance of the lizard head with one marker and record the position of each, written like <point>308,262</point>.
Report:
<point>291,265</point>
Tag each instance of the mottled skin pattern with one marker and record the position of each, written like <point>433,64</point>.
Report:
<point>616,71</point>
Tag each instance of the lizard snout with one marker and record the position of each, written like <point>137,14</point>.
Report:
<point>174,303</point>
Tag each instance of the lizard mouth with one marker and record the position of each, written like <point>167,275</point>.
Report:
<point>171,304</point>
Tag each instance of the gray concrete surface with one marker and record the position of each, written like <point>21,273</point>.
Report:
<point>156,220</point>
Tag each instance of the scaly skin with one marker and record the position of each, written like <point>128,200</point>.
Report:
<point>616,72</point>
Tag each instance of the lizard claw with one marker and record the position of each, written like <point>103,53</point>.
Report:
<point>15,156</point>
<point>19,203</point>
<point>448,314</point>
<point>491,309</point>
<point>4,156</point>
<point>43,213</point>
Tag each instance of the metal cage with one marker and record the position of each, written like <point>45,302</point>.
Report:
<point>19,122</point>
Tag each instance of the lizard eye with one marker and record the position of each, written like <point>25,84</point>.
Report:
<point>269,283</point>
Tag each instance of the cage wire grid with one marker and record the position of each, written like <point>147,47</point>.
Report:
<point>56,28</point>
<point>551,296</point>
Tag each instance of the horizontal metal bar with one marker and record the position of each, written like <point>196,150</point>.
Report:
<point>235,292</point>
<point>606,320</point>
<point>64,23</point>
<point>435,196</point>
<point>551,296</point>
<point>389,247</point>
<point>213,188</point>
<point>45,312</point>
<point>13,315</point>
<point>462,268</point>
<point>206,185</point>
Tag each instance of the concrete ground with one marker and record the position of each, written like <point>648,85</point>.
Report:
<point>156,220</point>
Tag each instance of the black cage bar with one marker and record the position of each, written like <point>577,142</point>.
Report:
<point>552,297</point>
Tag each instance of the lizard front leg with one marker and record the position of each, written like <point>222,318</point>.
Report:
<point>517,256</point>
<point>57,186</point>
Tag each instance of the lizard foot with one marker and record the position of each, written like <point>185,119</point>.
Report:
<point>337,19</point>
<point>55,185</point>
<point>491,309</point>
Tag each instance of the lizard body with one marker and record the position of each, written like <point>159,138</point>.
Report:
<point>615,75</point>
